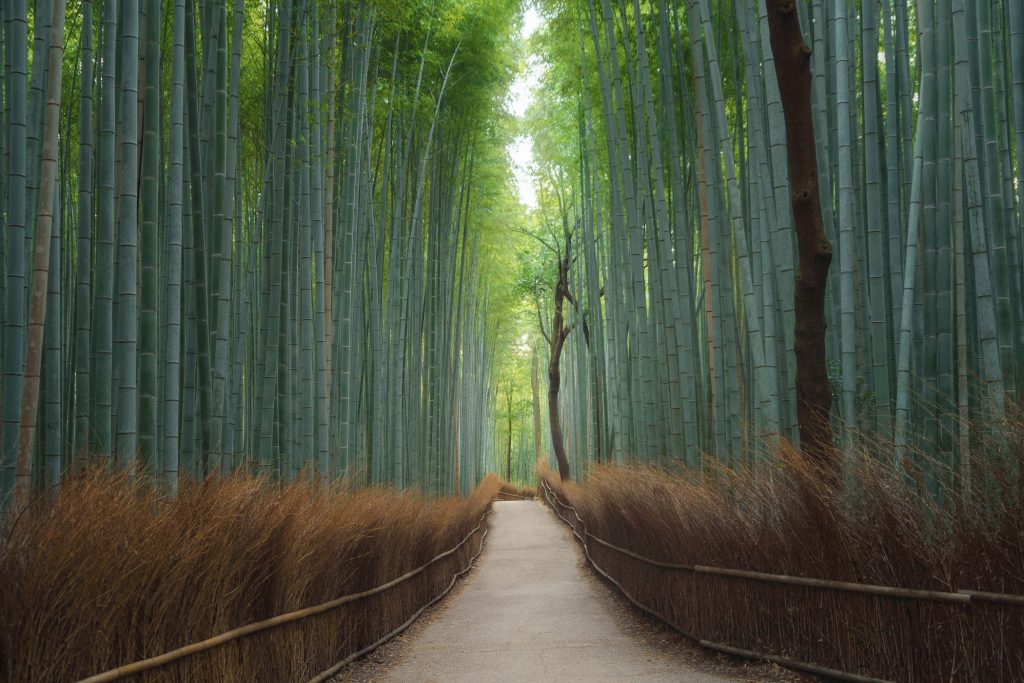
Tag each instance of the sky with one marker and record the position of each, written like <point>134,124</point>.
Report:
<point>520,96</point>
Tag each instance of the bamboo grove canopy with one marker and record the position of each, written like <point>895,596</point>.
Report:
<point>283,234</point>
<point>661,146</point>
<point>267,235</point>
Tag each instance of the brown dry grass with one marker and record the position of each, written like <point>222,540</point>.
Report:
<point>517,492</point>
<point>111,572</point>
<point>780,519</point>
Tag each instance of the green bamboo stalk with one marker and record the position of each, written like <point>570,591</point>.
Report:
<point>321,396</point>
<point>84,266</point>
<point>230,302</point>
<point>306,387</point>
<point>126,330</point>
<point>220,262</point>
<point>847,253</point>
<point>782,234</point>
<point>150,211</point>
<point>102,341</point>
<point>1006,287</point>
<point>273,298</point>
<point>877,256</point>
<point>766,378</point>
<point>199,227</point>
<point>36,103</point>
<point>960,278</point>
<point>988,336</point>
<point>53,351</point>
<point>910,270</point>
<point>894,184</point>
<point>41,263</point>
<point>16,316</point>
<point>924,307</point>
<point>4,108</point>
<point>173,318</point>
<point>1016,34</point>
<point>945,391</point>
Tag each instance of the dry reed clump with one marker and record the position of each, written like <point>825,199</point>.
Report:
<point>517,492</point>
<point>111,572</point>
<point>884,528</point>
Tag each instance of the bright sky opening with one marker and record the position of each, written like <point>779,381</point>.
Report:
<point>520,97</point>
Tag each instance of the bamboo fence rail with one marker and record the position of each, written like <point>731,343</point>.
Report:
<point>328,673</point>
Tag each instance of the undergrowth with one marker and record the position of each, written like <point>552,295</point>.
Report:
<point>517,492</point>
<point>885,527</point>
<point>112,571</point>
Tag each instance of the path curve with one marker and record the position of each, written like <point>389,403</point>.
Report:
<point>530,614</point>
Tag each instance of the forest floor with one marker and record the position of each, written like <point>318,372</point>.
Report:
<point>532,611</point>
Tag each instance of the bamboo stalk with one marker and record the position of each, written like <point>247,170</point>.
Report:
<point>40,266</point>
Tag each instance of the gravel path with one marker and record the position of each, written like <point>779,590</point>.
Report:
<point>532,612</point>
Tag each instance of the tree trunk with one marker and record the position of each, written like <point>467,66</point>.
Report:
<point>814,397</point>
<point>556,423</point>
<point>559,333</point>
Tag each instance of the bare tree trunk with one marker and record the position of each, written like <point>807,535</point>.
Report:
<point>814,396</point>
<point>559,333</point>
<point>556,422</point>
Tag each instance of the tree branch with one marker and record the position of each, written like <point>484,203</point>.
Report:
<point>538,238</point>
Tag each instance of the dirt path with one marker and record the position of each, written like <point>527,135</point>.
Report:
<point>531,612</point>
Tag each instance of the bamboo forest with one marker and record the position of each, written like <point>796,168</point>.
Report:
<point>311,307</point>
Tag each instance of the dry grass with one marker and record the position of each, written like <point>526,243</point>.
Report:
<point>112,572</point>
<point>516,492</point>
<point>780,519</point>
